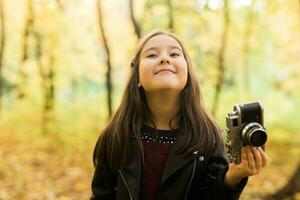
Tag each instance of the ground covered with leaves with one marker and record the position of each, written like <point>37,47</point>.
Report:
<point>59,166</point>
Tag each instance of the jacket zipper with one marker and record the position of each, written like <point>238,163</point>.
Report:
<point>191,179</point>
<point>126,184</point>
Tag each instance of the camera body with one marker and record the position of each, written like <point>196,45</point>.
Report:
<point>245,126</point>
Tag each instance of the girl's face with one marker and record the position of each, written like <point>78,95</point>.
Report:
<point>162,65</point>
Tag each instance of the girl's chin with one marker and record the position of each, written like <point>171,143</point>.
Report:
<point>164,85</point>
<point>163,88</point>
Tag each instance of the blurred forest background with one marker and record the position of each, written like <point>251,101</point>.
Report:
<point>64,64</point>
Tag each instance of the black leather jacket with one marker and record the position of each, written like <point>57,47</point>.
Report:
<point>190,177</point>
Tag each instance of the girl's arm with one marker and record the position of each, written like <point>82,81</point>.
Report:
<point>215,174</point>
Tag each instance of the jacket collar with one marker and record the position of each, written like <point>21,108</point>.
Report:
<point>175,160</point>
<point>133,169</point>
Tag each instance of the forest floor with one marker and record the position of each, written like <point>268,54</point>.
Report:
<point>59,166</point>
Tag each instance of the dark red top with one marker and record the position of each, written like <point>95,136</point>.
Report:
<point>156,150</point>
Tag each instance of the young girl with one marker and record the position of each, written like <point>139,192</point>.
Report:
<point>161,143</point>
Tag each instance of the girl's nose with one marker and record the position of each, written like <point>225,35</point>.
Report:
<point>164,60</point>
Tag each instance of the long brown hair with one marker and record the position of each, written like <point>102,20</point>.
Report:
<point>197,126</point>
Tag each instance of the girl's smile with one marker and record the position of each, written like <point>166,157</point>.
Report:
<point>165,70</point>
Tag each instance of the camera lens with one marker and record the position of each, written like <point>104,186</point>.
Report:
<point>254,134</point>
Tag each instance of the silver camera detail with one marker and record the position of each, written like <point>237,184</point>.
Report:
<point>245,126</point>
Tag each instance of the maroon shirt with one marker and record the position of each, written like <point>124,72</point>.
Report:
<point>156,150</point>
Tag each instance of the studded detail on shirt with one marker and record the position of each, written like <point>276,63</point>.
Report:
<point>160,139</point>
<point>148,137</point>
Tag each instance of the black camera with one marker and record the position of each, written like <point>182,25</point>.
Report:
<point>245,126</point>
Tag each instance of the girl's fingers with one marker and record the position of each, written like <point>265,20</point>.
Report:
<point>264,157</point>
<point>250,158</point>
<point>257,157</point>
<point>244,156</point>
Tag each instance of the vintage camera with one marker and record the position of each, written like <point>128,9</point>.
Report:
<point>245,126</point>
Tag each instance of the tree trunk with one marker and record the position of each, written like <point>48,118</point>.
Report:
<point>43,81</point>
<point>171,17</point>
<point>108,60</point>
<point>51,86</point>
<point>28,31</point>
<point>221,59</point>
<point>2,48</point>
<point>47,75</point>
<point>137,28</point>
<point>290,189</point>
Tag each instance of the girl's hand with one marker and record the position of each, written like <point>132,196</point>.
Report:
<point>253,159</point>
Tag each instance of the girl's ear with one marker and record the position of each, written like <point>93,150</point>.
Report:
<point>139,85</point>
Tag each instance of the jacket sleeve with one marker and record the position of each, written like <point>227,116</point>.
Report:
<point>215,173</point>
<point>104,182</point>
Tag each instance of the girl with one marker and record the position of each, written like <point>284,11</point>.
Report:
<point>161,143</point>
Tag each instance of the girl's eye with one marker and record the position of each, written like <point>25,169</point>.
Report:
<point>152,56</point>
<point>174,54</point>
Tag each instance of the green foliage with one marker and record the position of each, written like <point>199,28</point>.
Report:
<point>70,34</point>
